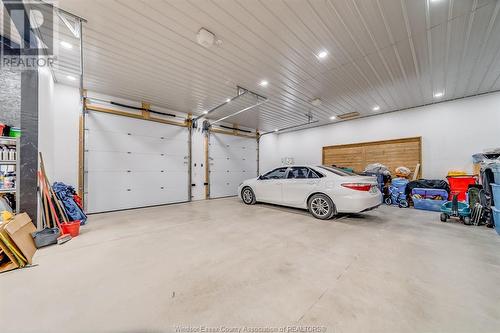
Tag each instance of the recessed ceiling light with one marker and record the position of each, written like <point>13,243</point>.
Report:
<point>276,130</point>
<point>322,54</point>
<point>333,117</point>
<point>66,45</point>
<point>71,78</point>
<point>205,112</point>
<point>228,100</point>
<point>264,83</point>
<point>376,108</point>
<point>438,94</point>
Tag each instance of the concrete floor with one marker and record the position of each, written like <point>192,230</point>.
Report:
<point>219,262</point>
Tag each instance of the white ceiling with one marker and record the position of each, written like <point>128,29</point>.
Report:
<point>393,54</point>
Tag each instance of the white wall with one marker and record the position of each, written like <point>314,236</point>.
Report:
<point>59,108</point>
<point>67,109</point>
<point>451,132</point>
<point>46,117</point>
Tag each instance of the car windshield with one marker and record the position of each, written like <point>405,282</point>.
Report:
<point>337,171</point>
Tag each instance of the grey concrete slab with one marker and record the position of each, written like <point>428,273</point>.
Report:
<point>220,262</point>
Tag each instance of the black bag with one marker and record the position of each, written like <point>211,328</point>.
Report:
<point>427,183</point>
<point>45,237</point>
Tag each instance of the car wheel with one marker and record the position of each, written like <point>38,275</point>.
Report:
<point>467,220</point>
<point>388,201</point>
<point>321,207</point>
<point>248,196</point>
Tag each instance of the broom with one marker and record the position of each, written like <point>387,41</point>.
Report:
<point>52,194</point>
<point>64,237</point>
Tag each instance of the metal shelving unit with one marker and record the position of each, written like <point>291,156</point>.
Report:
<point>11,143</point>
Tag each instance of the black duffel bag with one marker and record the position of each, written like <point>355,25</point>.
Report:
<point>427,183</point>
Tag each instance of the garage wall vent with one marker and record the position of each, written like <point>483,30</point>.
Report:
<point>349,115</point>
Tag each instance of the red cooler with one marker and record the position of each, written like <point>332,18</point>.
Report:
<point>459,185</point>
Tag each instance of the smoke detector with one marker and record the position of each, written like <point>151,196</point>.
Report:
<point>205,38</point>
<point>316,102</point>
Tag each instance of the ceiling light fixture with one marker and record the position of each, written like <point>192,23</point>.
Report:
<point>376,108</point>
<point>71,78</point>
<point>264,83</point>
<point>438,94</point>
<point>276,130</point>
<point>205,112</point>
<point>333,117</point>
<point>66,45</point>
<point>322,54</point>
<point>316,102</point>
<point>228,100</point>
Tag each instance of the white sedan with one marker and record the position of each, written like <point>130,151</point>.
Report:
<point>324,191</point>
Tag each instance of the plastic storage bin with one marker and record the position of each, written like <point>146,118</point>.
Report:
<point>496,193</point>
<point>496,172</point>
<point>496,218</point>
<point>429,198</point>
<point>459,185</point>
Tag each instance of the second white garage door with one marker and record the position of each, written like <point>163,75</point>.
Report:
<point>131,163</point>
<point>232,160</point>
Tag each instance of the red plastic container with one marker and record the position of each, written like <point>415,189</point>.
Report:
<point>459,185</point>
<point>72,228</point>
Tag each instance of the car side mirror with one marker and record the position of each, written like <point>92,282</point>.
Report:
<point>260,177</point>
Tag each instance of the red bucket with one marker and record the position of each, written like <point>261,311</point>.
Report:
<point>72,228</point>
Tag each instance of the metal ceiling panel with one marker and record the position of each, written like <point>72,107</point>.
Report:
<point>393,54</point>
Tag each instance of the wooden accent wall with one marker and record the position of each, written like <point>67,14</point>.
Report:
<point>392,153</point>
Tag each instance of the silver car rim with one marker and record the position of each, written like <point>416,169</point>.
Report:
<point>247,196</point>
<point>320,207</point>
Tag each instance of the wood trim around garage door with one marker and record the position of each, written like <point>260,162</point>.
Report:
<point>392,153</point>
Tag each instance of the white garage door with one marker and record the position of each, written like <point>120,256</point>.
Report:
<point>131,163</point>
<point>232,160</point>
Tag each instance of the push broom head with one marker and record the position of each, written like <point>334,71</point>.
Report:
<point>63,239</point>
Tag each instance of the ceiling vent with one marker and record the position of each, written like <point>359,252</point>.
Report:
<point>205,38</point>
<point>349,115</point>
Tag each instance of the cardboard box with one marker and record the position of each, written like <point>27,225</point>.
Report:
<point>18,232</point>
<point>19,229</point>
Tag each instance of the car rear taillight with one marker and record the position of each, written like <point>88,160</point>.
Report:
<point>358,186</point>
